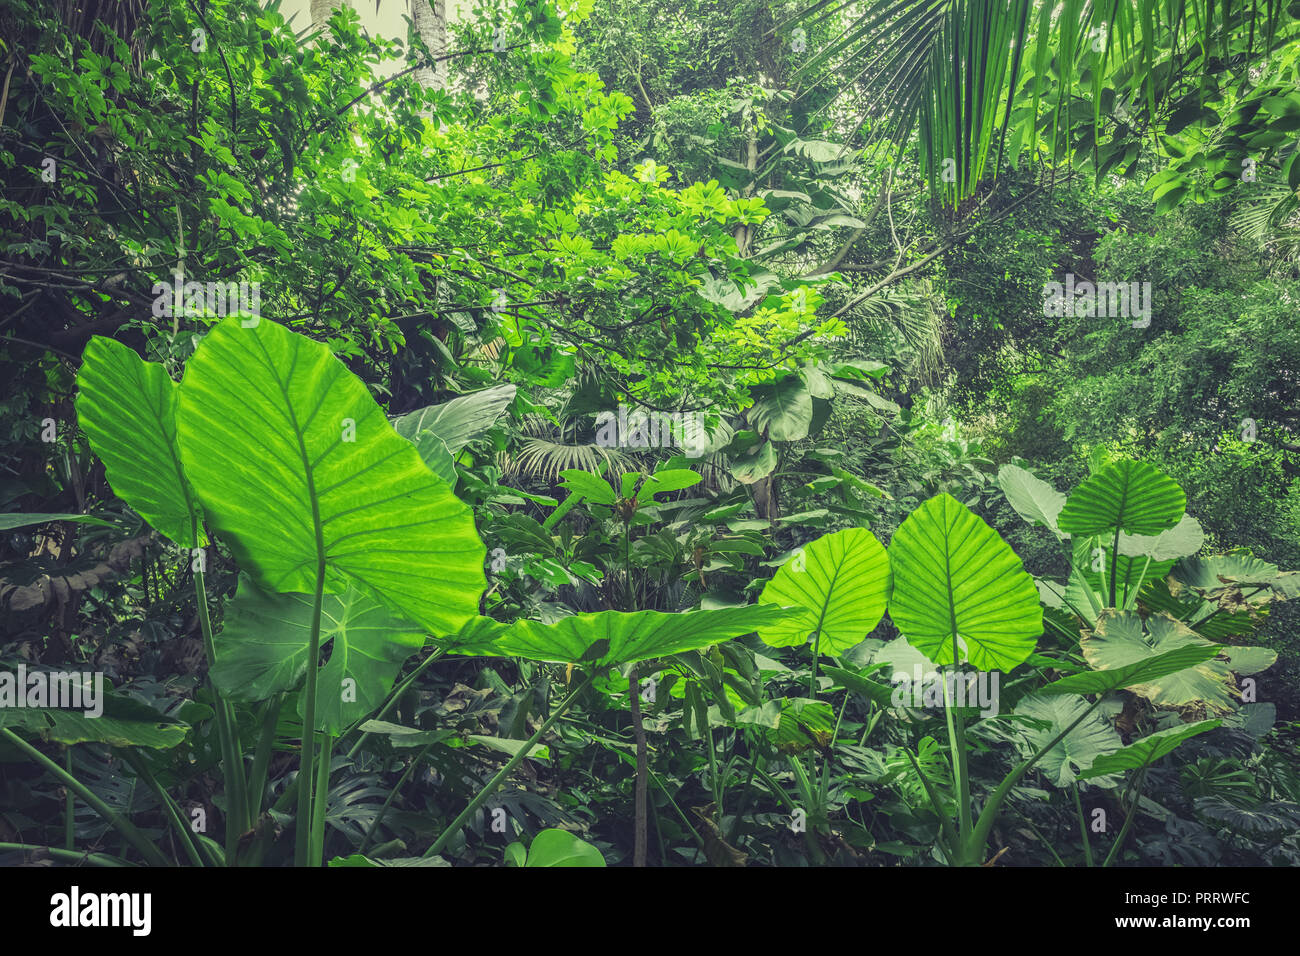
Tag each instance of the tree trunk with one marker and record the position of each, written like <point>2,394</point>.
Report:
<point>322,10</point>
<point>430,19</point>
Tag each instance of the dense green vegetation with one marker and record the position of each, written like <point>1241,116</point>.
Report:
<point>679,433</point>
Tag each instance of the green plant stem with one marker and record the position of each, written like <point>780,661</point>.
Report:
<point>639,793</point>
<point>954,844</point>
<point>491,787</point>
<point>262,757</point>
<point>1083,826</point>
<point>1128,819</point>
<point>170,810</point>
<point>320,799</point>
<point>745,793</point>
<point>232,759</point>
<point>306,760</point>
<point>69,806</point>
<point>984,825</point>
<point>396,695</point>
<point>957,739</point>
<point>72,856</point>
<point>1043,840</point>
<point>401,782</point>
<point>119,823</point>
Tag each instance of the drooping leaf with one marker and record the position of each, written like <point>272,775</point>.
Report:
<point>263,416</point>
<point>114,719</point>
<point>1122,638</point>
<point>1032,498</point>
<point>457,422</point>
<point>1070,759</point>
<point>262,650</point>
<point>957,584</point>
<point>1146,751</point>
<point>608,638</point>
<point>127,408</point>
<point>841,581</point>
<point>12,522</point>
<point>1136,673</point>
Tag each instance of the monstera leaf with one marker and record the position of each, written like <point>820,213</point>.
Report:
<point>841,581</point>
<point>122,722</point>
<point>298,468</point>
<point>1032,498</point>
<point>127,408</point>
<point>1132,496</point>
<point>1145,752</point>
<point>1091,738</point>
<point>957,584</point>
<point>609,638</point>
<point>1122,638</point>
<point>263,649</point>
<point>783,411</point>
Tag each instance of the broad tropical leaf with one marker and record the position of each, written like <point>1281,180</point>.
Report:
<point>609,638</point>
<point>841,581</point>
<point>1122,638</point>
<point>457,422</point>
<point>1129,495</point>
<point>262,650</point>
<point>1145,752</point>
<point>1070,759</point>
<point>782,411</point>
<point>1032,498</point>
<point>1180,541</point>
<point>1139,672</point>
<point>121,722</point>
<point>959,589</point>
<point>127,408</point>
<point>554,847</point>
<point>265,416</point>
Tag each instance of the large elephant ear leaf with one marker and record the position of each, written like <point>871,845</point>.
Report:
<point>1146,751</point>
<point>957,584</point>
<point>610,638</point>
<point>297,467</point>
<point>120,722</point>
<point>1123,638</point>
<point>1133,496</point>
<point>841,582</point>
<point>127,408</point>
<point>459,421</point>
<point>1092,737</point>
<point>263,649</point>
<point>1032,498</point>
